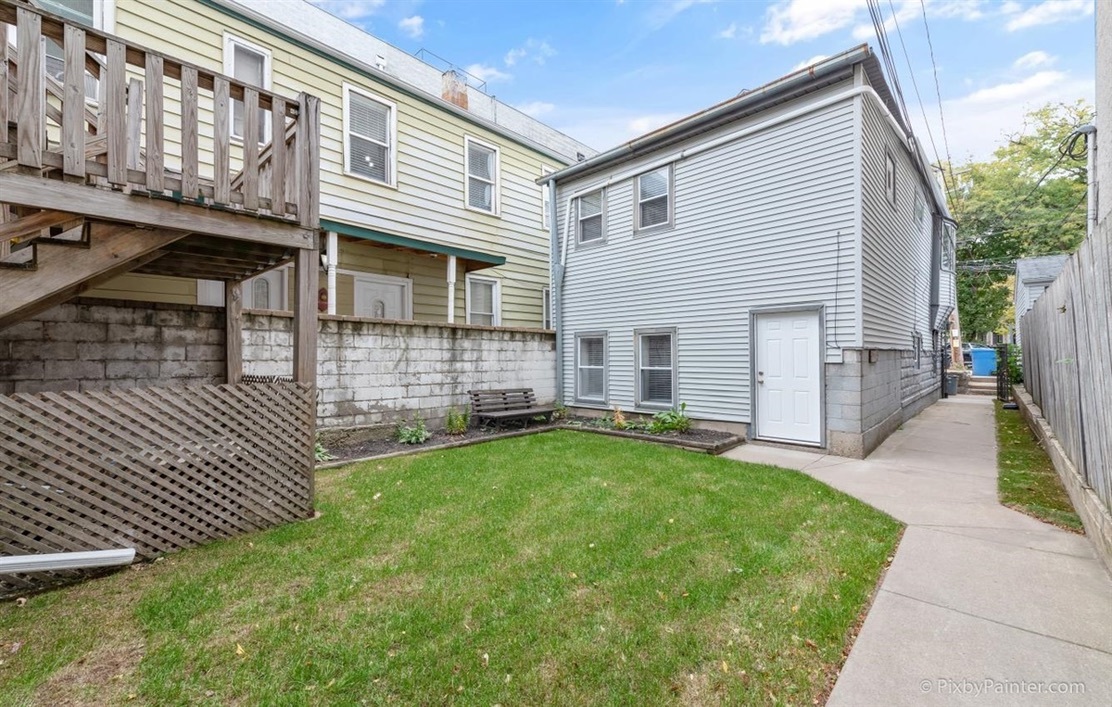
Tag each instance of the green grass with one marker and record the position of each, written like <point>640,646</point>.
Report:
<point>1028,481</point>
<point>560,568</point>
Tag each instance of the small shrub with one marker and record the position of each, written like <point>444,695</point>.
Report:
<point>458,422</point>
<point>674,420</point>
<point>416,433</point>
<point>322,454</point>
<point>1015,363</point>
<point>618,419</point>
<point>561,412</point>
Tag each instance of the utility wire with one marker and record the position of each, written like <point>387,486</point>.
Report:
<point>938,94</point>
<point>919,97</point>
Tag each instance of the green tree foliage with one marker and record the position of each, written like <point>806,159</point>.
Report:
<point>1028,200</point>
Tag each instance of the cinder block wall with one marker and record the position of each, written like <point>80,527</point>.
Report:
<point>92,344</point>
<point>867,401</point>
<point>373,372</point>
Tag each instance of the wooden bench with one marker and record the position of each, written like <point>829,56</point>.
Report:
<point>498,406</point>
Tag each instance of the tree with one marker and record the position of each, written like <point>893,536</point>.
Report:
<point>1028,200</point>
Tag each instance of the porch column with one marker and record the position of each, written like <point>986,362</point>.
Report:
<point>451,289</point>
<point>307,275</point>
<point>233,331</point>
<point>332,251</point>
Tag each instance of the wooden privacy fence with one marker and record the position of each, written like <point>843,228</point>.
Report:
<point>141,129</point>
<point>1067,359</point>
<point>156,469</point>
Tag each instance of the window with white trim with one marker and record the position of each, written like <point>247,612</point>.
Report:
<point>654,199</point>
<point>484,304</point>
<point>250,64</point>
<point>86,12</point>
<point>949,236</point>
<point>590,213</point>
<point>890,178</point>
<point>482,176</point>
<point>546,307</point>
<point>369,136</point>
<point>546,200</point>
<point>266,291</point>
<point>656,368</point>
<point>590,367</point>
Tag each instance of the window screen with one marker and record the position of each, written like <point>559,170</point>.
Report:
<point>590,217</point>
<point>481,302</point>
<point>657,373</point>
<point>591,379</point>
<point>654,198</point>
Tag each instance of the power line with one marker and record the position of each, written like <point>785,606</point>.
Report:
<point>938,93</point>
<point>919,97</point>
<point>886,56</point>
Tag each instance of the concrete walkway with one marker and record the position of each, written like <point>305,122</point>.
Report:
<point>982,605</point>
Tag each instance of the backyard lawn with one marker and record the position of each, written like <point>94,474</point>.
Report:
<point>563,568</point>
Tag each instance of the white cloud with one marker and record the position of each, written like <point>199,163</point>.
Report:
<point>910,11</point>
<point>728,33</point>
<point>535,109</point>
<point>813,60</point>
<point>490,74</point>
<point>1046,13</point>
<point>663,13</point>
<point>643,124</point>
<point>350,9</point>
<point>791,21</point>
<point>536,50</point>
<point>413,26</point>
<point>605,127</point>
<point>977,122</point>
<point>1033,60</point>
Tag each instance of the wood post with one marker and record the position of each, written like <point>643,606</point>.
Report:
<point>307,276</point>
<point>233,331</point>
<point>156,175</point>
<point>30,110</point>
<point>114,100</point>
<point>73,104</point>
<point>308,160</point>
<point>189,180</point>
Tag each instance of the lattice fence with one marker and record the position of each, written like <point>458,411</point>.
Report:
<point>157,469</point>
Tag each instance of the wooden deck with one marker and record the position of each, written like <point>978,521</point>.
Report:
<point>123,160</point>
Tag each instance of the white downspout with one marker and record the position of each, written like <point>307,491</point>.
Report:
<point>451,289</point>
<point>332,254</point>
<point>1090,133</point>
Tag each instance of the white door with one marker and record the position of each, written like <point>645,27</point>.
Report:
<point>788,382</point>
<point>381,299</point>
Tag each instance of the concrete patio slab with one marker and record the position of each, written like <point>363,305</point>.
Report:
<point>982,604</point>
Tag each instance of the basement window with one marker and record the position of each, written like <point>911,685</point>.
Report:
<point>656,368</point>
<point>590,367</point>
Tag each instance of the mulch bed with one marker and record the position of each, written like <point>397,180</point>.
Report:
<point>351,449</point>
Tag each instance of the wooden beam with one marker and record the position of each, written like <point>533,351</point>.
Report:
<point>308,161</point>
<point>156,173</point>
<point>307,277</point>
<point>29,190</point>
<point>30,109</point>
<point>251,150</point>
<point>5,104</point>
<point>277,149</point>
<point>33,224</point>
<point>114,99</point>
<point>233,331</point>
<point>134,122</point>
<point>189,179</point>
<point>221,141</point>
<point>73,104</point>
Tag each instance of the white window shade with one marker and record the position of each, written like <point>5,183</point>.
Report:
<point>654,198</point>
<point>656,369</point>
<point>249,67</point>
<point>592,368</point>
<point>590,217</point>
<point>369,138</point>
<point>482,302</point>
<point>482,177</point>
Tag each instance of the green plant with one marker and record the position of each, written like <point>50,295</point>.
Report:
<point>1015,363</point>
<point>674,420</point>
<point>458,422</point>
<point>416,433</point>
<point>321,453</point>
<point>561,412</point>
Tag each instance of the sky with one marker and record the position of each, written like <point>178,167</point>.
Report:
<point>606,71</point>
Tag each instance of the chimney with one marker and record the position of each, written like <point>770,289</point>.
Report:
<point>454,88</point>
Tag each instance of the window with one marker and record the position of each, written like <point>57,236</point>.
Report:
<point>949,234</point>
<point>250,64</point>
<point>546,201</point>
<point>590,212</point>
<point>483,301</point>
<point>266,291</point>
<point>369,135</point>
<point>482,176</point>
<point>654,199</point>
<point>656,370</point>
<point>590,367</point>
<point>890,178</point>
<point>90,13</point>
<point>546,307</point>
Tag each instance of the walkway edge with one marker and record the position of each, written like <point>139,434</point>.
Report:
<point>1094,515</point>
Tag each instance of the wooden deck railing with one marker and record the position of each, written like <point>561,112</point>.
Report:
<point>123,140</point>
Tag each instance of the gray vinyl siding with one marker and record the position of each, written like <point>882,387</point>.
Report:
<point>757,223</point>
<point>896,250</point>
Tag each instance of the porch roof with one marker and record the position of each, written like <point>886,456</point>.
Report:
<point>368,234</point>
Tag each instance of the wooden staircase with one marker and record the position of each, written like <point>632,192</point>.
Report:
<point>90,190</point>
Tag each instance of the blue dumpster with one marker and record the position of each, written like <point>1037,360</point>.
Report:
<point>984,362</point>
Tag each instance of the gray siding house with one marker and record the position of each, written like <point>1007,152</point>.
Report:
<point>782,263</point>
<point>1032,277</point>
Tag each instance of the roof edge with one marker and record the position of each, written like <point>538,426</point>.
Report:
<point>370,234</point>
